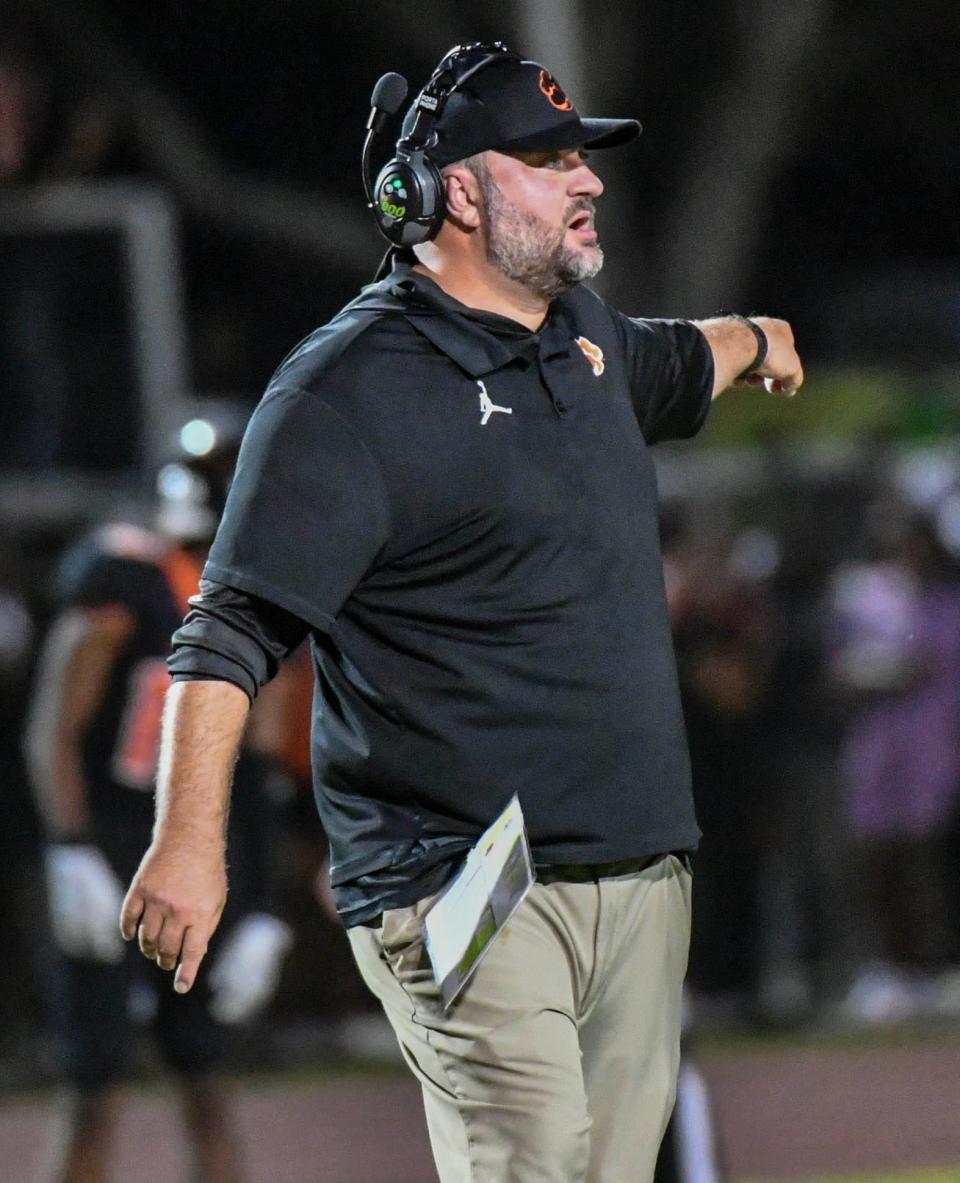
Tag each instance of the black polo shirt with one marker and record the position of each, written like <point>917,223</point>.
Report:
<point>465,513</point>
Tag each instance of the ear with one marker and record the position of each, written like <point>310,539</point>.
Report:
<point>463,197</point>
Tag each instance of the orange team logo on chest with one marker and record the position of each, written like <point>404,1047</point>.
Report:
<point>593,354</point>
<point>555,96</point>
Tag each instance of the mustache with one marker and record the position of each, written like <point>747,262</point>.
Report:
<point>578,207</point>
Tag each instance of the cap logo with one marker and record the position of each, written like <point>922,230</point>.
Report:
<point>550,87</point>
<point>593,354</point>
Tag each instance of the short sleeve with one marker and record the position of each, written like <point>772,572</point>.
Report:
<point>671,376</point>
<point>307,512</point>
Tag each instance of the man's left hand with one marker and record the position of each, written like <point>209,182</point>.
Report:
<point>781,372</point>
<point>734,347</point>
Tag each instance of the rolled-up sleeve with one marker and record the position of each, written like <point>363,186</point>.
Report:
<point>231,636</point>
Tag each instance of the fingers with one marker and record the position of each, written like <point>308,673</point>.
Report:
<point>169,943</point>
<point>782,372</point>
<point>173,906</point>
<point>160,938</point>
<point>149,931</point>
<point>192,952</point>
<point>787,385</point>
<point>164,940</point>
<point>130,913</point>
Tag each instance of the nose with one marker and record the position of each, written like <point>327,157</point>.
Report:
<point>584,182</point>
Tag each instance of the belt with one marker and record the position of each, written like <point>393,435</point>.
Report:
<point>581,873</point>
<point>589,872</point>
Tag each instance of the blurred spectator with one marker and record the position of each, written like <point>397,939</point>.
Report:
<point>93,750</point>
<point>721,626</point>
<point>896,653</point>
<point>771,926</point>
<point>804,922</point>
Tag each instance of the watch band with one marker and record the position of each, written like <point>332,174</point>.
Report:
<point>759,334</point>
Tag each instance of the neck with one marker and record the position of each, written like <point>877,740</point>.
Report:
<point>481,286</point>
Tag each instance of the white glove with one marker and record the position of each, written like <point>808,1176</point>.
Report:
<point>85,898</point>
<point>246,970</point>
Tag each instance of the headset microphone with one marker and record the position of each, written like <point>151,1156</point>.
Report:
<point>407,199</point>
<point>386,100</point>
<point>387,97</point>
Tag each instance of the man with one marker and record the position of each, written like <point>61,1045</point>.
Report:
<point>449,488</point>
<point>92,752</point>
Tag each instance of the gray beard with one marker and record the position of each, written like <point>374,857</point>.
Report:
<point>529,251</point>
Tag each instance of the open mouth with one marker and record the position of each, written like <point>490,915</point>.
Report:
<point>582,226</point>
<point>582,221</point>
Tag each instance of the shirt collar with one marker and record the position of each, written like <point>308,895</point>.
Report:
<point>478,342</point>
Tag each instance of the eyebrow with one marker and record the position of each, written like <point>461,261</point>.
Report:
<point>536,159</point>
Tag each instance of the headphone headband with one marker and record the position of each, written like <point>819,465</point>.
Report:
<point>408,197</point>
<point>443,82</point>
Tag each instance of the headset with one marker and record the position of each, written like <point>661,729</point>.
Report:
<point>407,199</point>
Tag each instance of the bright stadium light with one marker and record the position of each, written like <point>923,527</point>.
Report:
<point>198,437</point>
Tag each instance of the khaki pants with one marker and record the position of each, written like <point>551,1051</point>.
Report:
<point>558,1063</point>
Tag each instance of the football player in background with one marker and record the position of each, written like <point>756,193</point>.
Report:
<point>92,748</point>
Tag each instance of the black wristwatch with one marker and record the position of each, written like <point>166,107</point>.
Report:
<point>762,343</point>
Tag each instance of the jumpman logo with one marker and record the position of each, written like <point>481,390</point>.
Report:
<point>487,407</point>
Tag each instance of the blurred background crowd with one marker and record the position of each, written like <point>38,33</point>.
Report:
<point>180,202</point>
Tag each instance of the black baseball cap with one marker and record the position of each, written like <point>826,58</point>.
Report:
<point>514,105</point>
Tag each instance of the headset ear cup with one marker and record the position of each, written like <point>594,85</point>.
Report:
<point>409,200</point>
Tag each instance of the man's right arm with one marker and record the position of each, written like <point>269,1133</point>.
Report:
<point>229,646</point>
<point>178,893</point>
<point>307,515</point>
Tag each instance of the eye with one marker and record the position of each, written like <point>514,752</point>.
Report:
<point>561,161</point>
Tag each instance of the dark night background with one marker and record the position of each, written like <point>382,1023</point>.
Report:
<point>800,158</point>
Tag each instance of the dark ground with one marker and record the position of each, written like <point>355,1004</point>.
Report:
<point>786,1111</point>
<point>799,1112</point>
